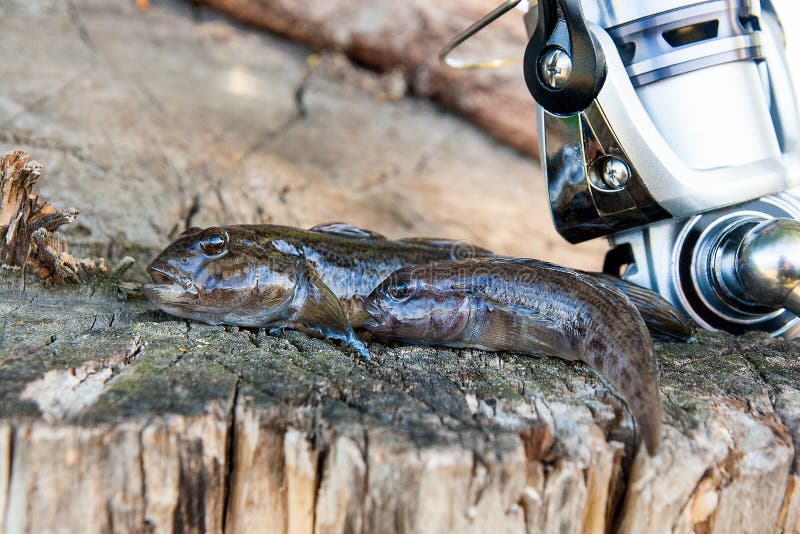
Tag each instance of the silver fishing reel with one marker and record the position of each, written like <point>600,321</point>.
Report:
<point>670,127</point>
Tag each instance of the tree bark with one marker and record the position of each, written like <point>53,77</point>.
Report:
<point>117,417</point>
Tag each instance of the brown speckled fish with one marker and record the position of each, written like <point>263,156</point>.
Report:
<point>530,307</point>
<point>281,277</point>
<point>313,280</point>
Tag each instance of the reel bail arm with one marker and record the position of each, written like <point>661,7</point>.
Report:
<point>564,66</point>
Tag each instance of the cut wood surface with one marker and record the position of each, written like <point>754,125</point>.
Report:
<point>116,416</point>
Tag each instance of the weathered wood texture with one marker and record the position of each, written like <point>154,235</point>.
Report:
<point>405,38</point>
<point>149,121</point>
<point>116,416</point>
<point>28,225</point>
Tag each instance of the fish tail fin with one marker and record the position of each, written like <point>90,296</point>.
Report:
<point>644,407</point>
<point>648,422</point>
<point>631,372</point>
<point>623,353</point>
<point>638,386</point>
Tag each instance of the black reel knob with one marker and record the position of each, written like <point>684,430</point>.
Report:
<point>564,65</point>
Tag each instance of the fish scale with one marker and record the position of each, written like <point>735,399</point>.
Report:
<point>352,261</point>
<point>529,307</point>
<point>281,277</point>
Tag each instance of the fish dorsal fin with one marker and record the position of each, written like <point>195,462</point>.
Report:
<point>321,313</point>
<point>659,315</point>
<point>346,230</point>
<point>522,329</point>
<point>459,250</point>
<point>281,245</point>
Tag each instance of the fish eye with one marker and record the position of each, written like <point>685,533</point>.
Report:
<point>401,289</point>
<point>214,245</point>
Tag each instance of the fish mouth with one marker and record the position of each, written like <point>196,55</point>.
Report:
<point>375,320</point>
<point>167,280</point>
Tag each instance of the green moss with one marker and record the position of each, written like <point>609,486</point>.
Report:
<point>411,391</point>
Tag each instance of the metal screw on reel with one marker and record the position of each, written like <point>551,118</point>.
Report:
<point>609,173</point>
<point>555,67</point>
<point>616,173</point>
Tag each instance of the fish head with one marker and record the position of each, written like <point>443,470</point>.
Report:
<point>412,305</point>
<point>221,276</point>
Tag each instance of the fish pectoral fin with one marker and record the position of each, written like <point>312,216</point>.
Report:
<point>522,329</point>
<point>459,250</point>
<point>322,314</point>
<point>326,333</point>
<point>345,230</point>
<point>659,315</point>
<point>276,330</point>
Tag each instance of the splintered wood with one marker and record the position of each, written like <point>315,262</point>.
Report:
<point>28,225</point>
<point>20,208</point>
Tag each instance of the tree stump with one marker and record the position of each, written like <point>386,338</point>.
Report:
<point>117,417</point>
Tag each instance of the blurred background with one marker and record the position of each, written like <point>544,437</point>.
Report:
<point>153,116</point>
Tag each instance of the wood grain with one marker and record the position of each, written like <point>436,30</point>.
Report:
<point>170,425</point>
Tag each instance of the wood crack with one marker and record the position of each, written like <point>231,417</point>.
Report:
<point>83,32</point>
<point>230,447</point>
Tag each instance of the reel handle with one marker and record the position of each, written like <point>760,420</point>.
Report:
<point>768,264</point>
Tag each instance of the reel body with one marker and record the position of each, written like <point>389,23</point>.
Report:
<point>670,127</point>
<point>688,145</point>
